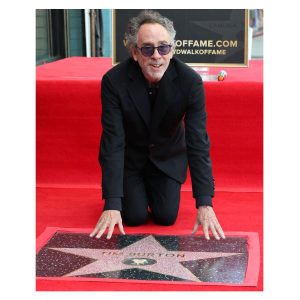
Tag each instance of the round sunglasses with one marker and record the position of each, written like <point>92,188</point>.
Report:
<point>149,50</point>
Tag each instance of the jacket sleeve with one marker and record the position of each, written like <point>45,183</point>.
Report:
<point>112,145</point>
<point>113,204</point>
<point>197,142</point>
<point>203,201</point>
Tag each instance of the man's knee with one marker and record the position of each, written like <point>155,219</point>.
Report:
<point>165,219</point>
<point>135,219</point>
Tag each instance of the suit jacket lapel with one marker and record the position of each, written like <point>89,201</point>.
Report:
<point>138,93</point>
<point>167,92</point>
<point>166,95</point>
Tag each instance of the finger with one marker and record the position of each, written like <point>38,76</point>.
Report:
<point>214,232</point>
<point>94,232</point>
<point>195,229</point>
<point>220,230</point>
<point>101,231</point>
<point>121,228</point>
<point>96,229</point>
<point>205,230</point>
<point>110,229</point>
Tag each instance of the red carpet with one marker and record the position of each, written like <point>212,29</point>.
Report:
<point>68,175</point>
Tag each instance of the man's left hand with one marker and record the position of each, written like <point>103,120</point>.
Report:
<point>206,217</point>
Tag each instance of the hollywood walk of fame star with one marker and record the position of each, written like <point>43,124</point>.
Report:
<point>147,254</point>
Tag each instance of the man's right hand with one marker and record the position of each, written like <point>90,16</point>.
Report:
<point>108,219</point>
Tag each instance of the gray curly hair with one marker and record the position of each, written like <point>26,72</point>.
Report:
<point>146,17</point>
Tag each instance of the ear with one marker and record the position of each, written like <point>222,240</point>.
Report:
<point>134,54</point>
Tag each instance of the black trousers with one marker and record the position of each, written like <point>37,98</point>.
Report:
<point>150,190</point>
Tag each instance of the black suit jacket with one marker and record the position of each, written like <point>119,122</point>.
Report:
<point>172,135</point>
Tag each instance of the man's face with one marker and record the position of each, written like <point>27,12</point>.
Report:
<point>153,67</point>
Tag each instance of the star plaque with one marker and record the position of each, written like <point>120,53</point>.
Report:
<point>68,254</point>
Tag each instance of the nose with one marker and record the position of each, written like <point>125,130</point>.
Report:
<point>156,54</point>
